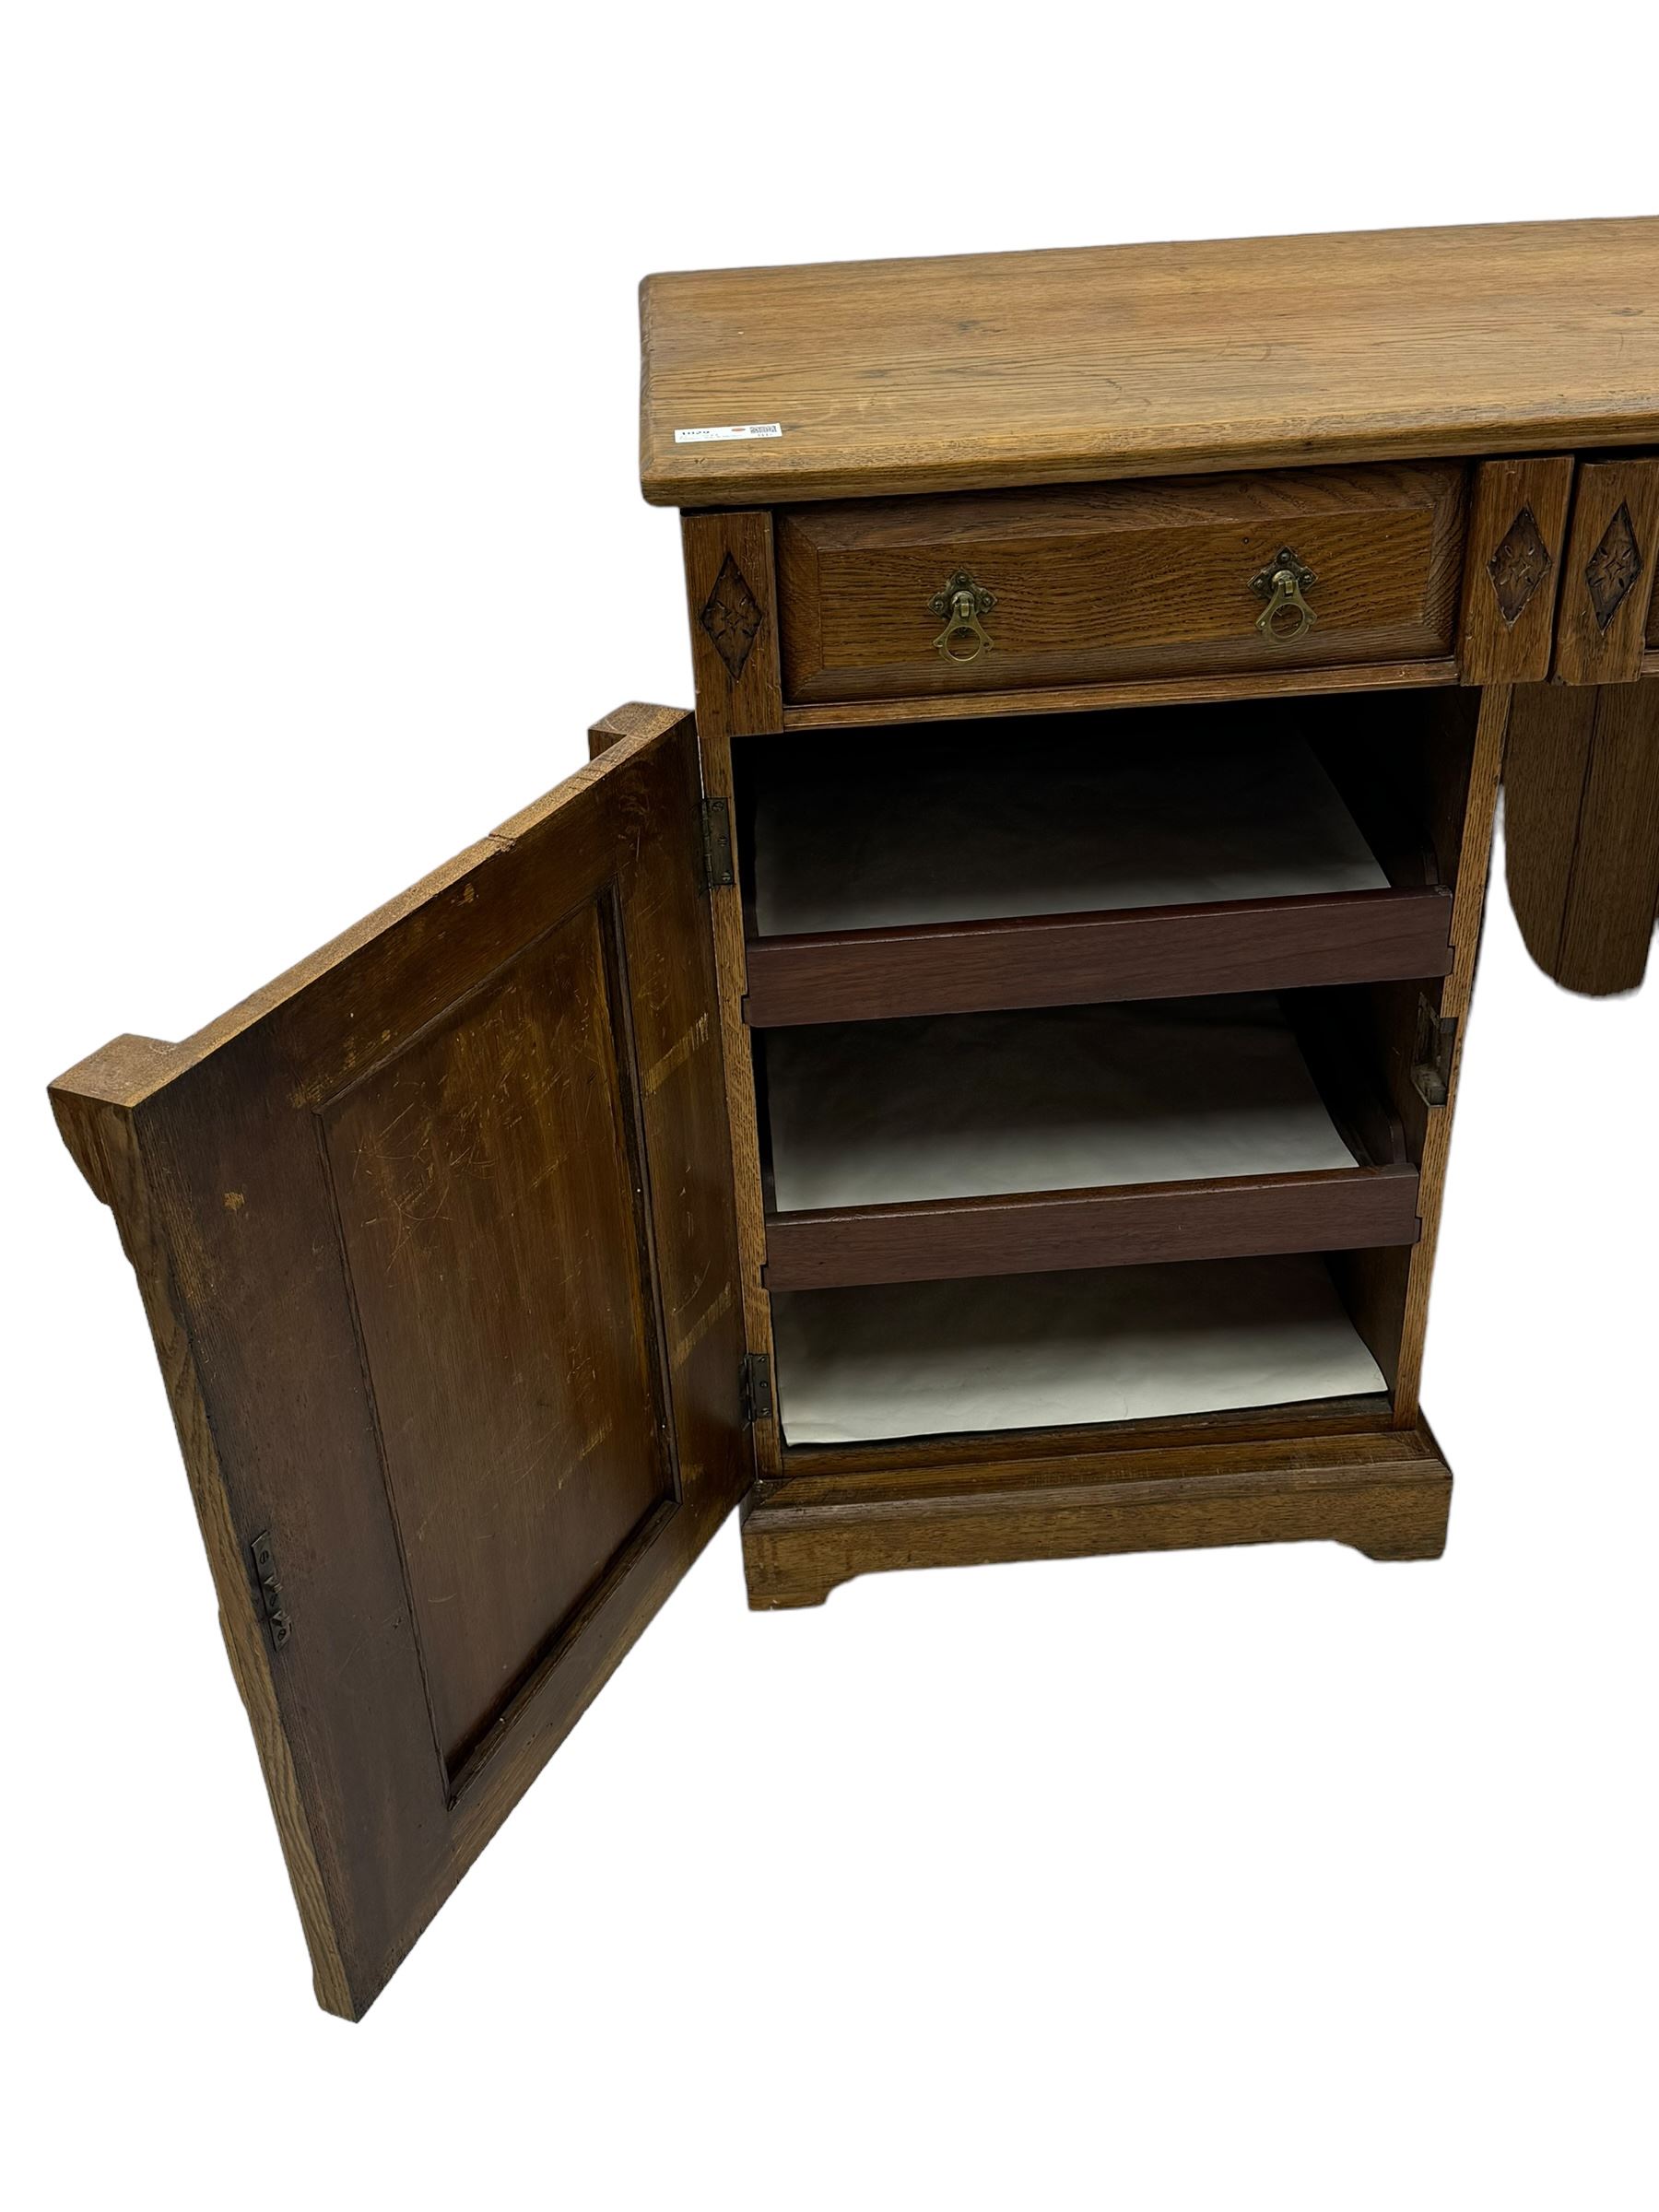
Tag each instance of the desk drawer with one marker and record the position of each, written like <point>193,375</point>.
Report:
<point>1006,590</point>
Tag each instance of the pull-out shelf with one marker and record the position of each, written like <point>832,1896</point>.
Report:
<point>1226,1217</point>
<point>1096,1136</point>
<point>1232,852</point>
<point>1069,959</point>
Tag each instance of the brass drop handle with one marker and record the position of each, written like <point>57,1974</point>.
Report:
<point>1282,584</point>
<point>963,602</point>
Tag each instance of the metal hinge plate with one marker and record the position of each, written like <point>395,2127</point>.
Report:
<point>757,1388</point>
<point>268,1589</point>
<point>716,844</point>
<point>1431,1060</point>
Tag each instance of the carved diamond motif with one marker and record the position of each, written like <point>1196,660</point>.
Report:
<point>1519,566</point>
<point>1614,567</point>
<point>731,614</point>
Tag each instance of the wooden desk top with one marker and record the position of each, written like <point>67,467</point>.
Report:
<point>975,371</point>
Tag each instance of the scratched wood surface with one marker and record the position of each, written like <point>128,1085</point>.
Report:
<point>436,1237</point>
<point>977,370</point>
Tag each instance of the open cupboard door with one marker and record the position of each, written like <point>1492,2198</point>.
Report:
<point>436,1238</point>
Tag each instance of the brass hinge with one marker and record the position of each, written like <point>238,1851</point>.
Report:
<point>757,1388</point>
<point>268,1589</point>
<point>716,844</point>
<point>1431,1060</point>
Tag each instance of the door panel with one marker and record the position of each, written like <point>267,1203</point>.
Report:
<point>436,1238</point>
<point>458,1220</point>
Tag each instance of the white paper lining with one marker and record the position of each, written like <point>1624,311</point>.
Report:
<point>1070,1098</point>
<point>1052,1350</point>
<point>1077,825</point>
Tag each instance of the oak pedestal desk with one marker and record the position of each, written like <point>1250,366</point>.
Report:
<point>981,1089</point>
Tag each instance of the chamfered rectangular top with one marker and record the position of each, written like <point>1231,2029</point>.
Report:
<point>973,372</point>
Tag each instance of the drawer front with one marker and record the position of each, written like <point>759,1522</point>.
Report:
<point>996,592</point>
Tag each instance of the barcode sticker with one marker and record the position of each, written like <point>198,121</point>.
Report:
<point>729,430</point>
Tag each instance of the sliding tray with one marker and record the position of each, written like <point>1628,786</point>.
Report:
<point>1056,960</point>
<point>1088,1137</point>
<point>1154,860</point>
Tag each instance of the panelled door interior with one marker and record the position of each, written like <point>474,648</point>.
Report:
<point>435,1236</point>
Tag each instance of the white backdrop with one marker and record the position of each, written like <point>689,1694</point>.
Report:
<point>1267,1878</point>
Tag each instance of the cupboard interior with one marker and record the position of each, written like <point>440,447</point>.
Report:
<point>1080,1202</point>
<point>1069,858</point>
<point>1078,1136</point>
<point>1078,1186</point>
<point>1067,821</point>
<point>1076,1349</point>
<point>1098,812</point>
<point>1071,1097</point>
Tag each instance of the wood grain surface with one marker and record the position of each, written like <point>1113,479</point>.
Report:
<point>1612,562</point>
<point>1217,1217</point>
<point>1119,697</point>
<point>1513,563</point>
<point>976,371</point>
<point>1119,582</point>
<point>1581,823</point>
<point>1467,861</point>
<point>1071,959</point>
<point>735,704</point>
<point>1388,1495</point>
